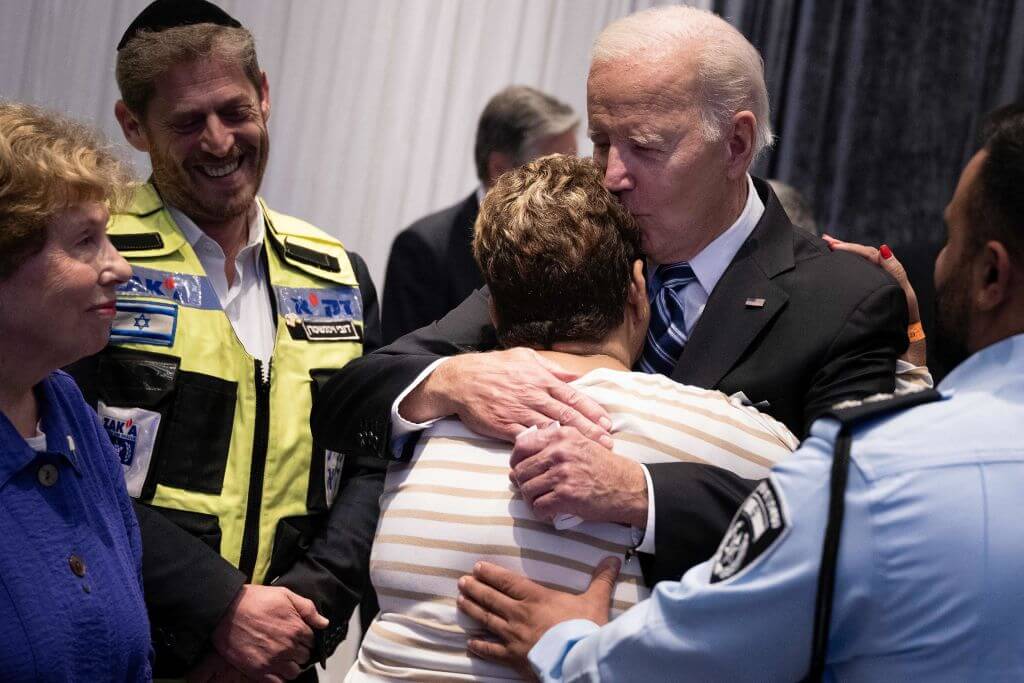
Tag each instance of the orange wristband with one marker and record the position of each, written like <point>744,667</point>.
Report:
<point>915,332</point>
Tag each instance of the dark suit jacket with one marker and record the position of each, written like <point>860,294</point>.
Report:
<point>189,586</point>
<point>830,328</point>
<point>431,269</point>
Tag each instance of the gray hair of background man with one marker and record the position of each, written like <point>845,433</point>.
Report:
<point>730,69</point>
<point>795,204</point>
<point>515,121</point>
<point>150,54</point>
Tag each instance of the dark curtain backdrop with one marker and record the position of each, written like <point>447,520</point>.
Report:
<point>876,104</point>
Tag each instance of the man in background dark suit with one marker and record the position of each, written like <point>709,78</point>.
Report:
<point>769,310</point>
<point>431,268</point>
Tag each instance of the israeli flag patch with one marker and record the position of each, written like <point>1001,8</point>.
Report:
<point>144,322</point>
<point>133,433</point>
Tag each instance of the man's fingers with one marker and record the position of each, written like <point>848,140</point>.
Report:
<point>285,670</point>
<point>307,610</point>
<point>586,414</point>
<point>482,589</point>
<point>489,649</point>
<point>554,410</point>
<point>602,583</point>
<point>530,442</point>
<point>534,466</point>
<point>300,655</point>
<point>508,585</point>
<point>491,621</point>
<point>546,505</point>
<point>539,488</point>
<point>303,634</point>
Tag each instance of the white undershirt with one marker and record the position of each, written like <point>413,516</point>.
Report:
<point>37,442</point>
<point>246,302</point>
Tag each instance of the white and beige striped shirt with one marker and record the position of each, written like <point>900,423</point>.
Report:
<point>453,505</point>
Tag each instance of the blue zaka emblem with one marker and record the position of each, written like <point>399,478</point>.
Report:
<point>320,304</point>
<point>194,291</point>
<point>124,434</point>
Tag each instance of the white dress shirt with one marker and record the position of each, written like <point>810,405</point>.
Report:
<point>709,266</point>
<point>246,302</point>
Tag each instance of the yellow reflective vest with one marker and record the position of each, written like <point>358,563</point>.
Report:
<point>217,442</point>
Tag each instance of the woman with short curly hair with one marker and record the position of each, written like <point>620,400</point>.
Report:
<point>71,602</point>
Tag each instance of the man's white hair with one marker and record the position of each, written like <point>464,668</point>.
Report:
<point>730,70</point>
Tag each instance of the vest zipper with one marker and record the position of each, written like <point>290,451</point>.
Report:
<point>261,436</point>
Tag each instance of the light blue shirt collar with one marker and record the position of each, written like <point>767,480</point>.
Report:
<point>993,366</point>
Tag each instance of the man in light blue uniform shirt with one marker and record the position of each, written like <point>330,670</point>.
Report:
<point>928,581</point>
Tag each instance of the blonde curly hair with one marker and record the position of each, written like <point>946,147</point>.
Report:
<point>48,163</point>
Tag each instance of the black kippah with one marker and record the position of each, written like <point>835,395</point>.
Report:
<point>164,14</point>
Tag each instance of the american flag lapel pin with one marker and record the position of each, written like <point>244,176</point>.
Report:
<point>755,303</point>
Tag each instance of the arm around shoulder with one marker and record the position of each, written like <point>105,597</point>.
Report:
<point>353,410</point>
<point>861,360</point>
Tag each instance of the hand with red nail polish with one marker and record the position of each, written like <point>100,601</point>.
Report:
<point>884,258</point>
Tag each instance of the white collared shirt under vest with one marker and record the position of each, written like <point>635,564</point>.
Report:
<point>246,301</point>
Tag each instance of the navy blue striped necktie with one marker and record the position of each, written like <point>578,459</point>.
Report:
<point>666,335</point>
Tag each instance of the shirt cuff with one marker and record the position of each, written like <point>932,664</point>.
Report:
<point>643,539</point>
<point>911,377</point>
<point>400,427</point>
<point>548,655</point>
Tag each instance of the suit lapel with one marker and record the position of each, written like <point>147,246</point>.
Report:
<point>728,325</point>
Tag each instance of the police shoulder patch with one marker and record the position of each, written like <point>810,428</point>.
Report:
<point>758,523</point>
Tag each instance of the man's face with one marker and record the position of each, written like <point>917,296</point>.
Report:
<point>206,129</point>
<point>644,119</point>
<point>953,276</point>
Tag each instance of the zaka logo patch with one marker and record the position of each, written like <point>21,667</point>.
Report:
<point>123,434</point>
<point>133,432</point>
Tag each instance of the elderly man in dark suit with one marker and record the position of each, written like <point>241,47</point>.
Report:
<point>431,268</point>
<point>741,302</point>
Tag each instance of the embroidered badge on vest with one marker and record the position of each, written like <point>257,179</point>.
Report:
<point>321,314</point>
<point>133,433</point>
<point>194,291</point>
<point>144,322</point>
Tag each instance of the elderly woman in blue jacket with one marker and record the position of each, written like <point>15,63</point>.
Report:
<point>71,602</point>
